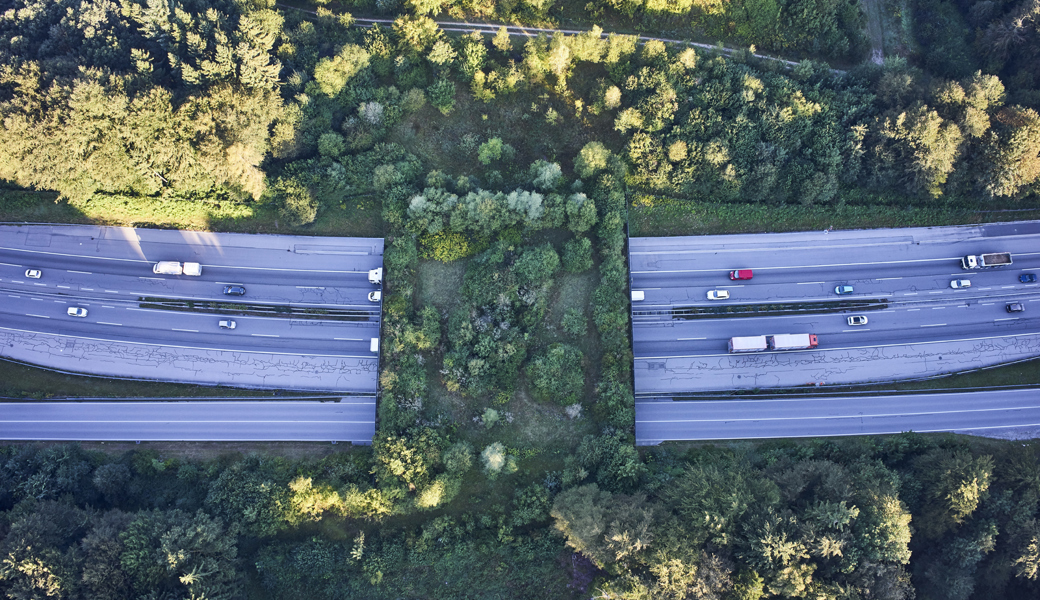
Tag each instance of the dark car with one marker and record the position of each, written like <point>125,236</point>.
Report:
<point>1015,307</point>
<point>234,290</point>
<point>1027,278</point>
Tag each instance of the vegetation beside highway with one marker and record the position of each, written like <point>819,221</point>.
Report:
<point>502,173</point>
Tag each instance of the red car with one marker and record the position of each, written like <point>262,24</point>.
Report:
<point>740,274</point>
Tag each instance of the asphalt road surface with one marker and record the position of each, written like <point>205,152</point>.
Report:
<point>305,321</point>
<point>350,420</point>
<point>918,325</point>
<point>836,416</point>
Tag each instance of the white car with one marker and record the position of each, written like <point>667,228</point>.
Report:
<point>227,324</point>
<point>857,320</point>
<point>375,296</point>
<point>77,311</point>
<point>960,283</point>
<point>34,273</point>
<point>718,295</point>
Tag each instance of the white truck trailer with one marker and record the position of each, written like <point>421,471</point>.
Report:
<point>170,267</point>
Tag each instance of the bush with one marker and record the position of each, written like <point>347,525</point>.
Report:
<point>575,323</point>
<point>445,246</point>
<point>577,255</point>
<point>558,375</point>
<point>536,265</point>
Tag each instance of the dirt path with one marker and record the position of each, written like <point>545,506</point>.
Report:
<point>875,31</point>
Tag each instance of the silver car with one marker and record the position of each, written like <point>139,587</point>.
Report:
<point>34,273</point>
<point>77,311</point>
<point>857,320</point>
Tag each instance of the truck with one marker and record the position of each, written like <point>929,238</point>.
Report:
<point>170,267</point>
<point>754,343</point>
<point>986,261</point>
<point>792,341</point>
<point>376,276</point>
<point>783,341</point>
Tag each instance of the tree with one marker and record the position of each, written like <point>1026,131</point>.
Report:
<point>954,484</point>
<point>592,158</point>
<point>607,528</point>
<point>332,74</point>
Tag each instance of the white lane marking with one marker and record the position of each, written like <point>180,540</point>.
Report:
<point>107,323</point>
<point>41,316</point>
<point>41,284</point>
<point>154,278</point>
<point>309,287</point>
<point>9,265</point>
<point>1007,319</point>
<point>112,291</point>
<point>228,283</point>
<point>938,308</point>
<point>82,272</point>
<point>36,299</point>
<point>686,339</point>
<point>935,325</point>
<point>985,304</point>
<point>16,281</point>
<point>263,335</point>
<point>187,330</point>
<point>983,289</point>
<point>64,287</point>
<point>62,302</point>
<point>910,294</point>
<point>1006,287</point>
<point>349,339</point>
<point>810,282</point>
<point>86,289</point>
<point>848,330</point>
<point>912,309</point>
<point>103,306</point>
<point>13,296</point>
<point>888,278</point>
<point>930,293</point>
<point>850,416</point>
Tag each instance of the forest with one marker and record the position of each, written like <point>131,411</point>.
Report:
<point>504,173</point>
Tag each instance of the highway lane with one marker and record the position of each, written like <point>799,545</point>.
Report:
<point>920,322</point>
<point>314,288</point>
<point>125,321</point>
<point>351,420</point>
<point>663,290</point>
<point>835,416</point>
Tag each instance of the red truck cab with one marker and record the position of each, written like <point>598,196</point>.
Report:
<point>740,274</point>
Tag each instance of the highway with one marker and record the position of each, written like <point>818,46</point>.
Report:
<point>918,325</point>
<point>305,321</point>
<point>349,420</point>
<point>836,416</point>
